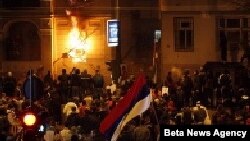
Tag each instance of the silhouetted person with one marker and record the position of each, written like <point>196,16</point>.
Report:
<point>9,85</point>
<point>4,123</point>
<point>63,86</point>
<point>225,80</point>
<point>86,82</point>
<point>33,87</point>
<point>73,119</point>
<point>75,81</point>
<point>98,83</point>
<point>187,86</point>
<point>169,82</point>
<point>48,80</point>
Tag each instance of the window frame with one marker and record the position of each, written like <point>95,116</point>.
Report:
<point>241,29</point>
<point>177,29</point>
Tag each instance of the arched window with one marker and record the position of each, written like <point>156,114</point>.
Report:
<point>22,42</point>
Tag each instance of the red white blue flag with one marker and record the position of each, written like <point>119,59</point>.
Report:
<point>134,103</point>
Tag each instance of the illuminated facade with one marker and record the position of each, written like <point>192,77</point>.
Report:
<point>42,36</point>
<point>79,37</point>
<point>56,34</point>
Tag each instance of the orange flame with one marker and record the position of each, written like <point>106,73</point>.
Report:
<point>76,43</point>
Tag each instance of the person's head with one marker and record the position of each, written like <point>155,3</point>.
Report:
<point>110,99</point>
<point>77,71</point>
<point>97,71</point>
<point>64,71</point>
<point>70,100</point>
<point>83,102</point>
<point>85,71</point>
<point>73,109</point>
<point>74,137</point>
<point>220,107</point>
<point>30,72</point>
<point>169,73</point>
<point>137,120</point>
<point>186,72</point>
<point>9,73</point>
<point>3,111</point>
<point>201,68</point>
<point>196,72</point>
<point>198,104</point>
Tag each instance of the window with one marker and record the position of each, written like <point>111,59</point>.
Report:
<point>237,33</point>
<point>237,30</point>
<point>246,22</point>
<point>233,23</point>
<point>229,23</point>
<point>184,34</point>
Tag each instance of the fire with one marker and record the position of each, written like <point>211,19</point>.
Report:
<point>77,43</point>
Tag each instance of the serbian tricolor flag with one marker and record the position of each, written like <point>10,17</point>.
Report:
<point>134,103</point>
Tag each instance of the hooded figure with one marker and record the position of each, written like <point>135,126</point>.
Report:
<point>33,87</point>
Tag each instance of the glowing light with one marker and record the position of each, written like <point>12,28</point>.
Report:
<point>77,43</point>
<point>29,119</point>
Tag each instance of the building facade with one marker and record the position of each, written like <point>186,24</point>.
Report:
<point>194,32</point>
<point>37,35</point>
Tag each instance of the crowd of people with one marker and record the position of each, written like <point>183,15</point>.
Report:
<point>73,105</point>
<point>46,96</point>
<point>228,95</point>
